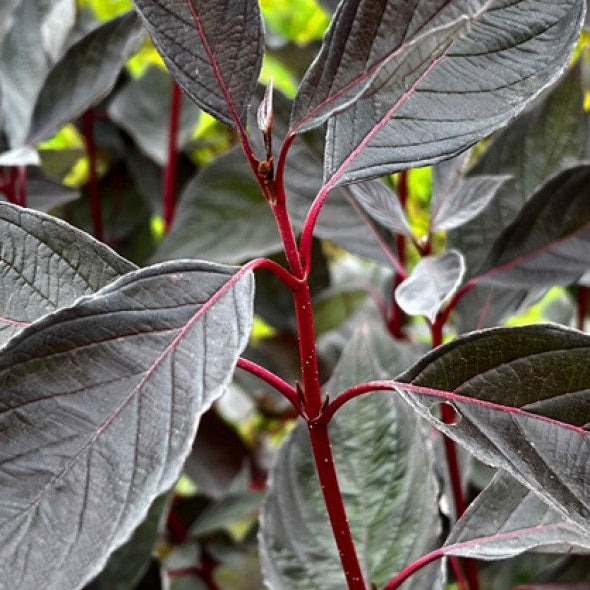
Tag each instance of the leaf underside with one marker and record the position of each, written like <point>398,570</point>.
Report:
<point>99,409</point>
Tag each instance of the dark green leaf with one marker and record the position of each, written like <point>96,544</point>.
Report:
<point>433,281</point>
<point>522,401</point>
<point>213,49</point>
<point>385,471</point>
<point>46,264</point>
<point>142,109</point>
<point>106,396</point>
<point>84,75</point>
<point>449,61</point>
<point>222,216</point>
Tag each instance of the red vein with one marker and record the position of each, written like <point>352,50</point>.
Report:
<point>316,207</point>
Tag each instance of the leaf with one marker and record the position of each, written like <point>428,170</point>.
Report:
<point>106,395</point>
<point>538,144</point>
<point>434,280</point>
<point>20,156</point>
<point>450,60</point>
<point>213,49</point>
<point>84,75</point>
<point>45,194</point>
<point>179,568</point>
<point>342,220</point>
<point>128,564</point>
<point>548,243</point>
<point>521,397</point>
<point>381,203</point>
<point>20,85</point>
<point>464,201</point>
<point>222,216</point>
<point>385,469</point>
<point>225,512</point>
<point>507,519</point>
<point>141,108</point>
<point>47,264</point>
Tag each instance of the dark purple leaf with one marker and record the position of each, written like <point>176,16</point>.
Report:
<point>535,146</point>
<point>463,201</point>
<point>433,281</point>
<point>142,108</point>
<point>522,401</point>
<point>222,216</point>
<point>451,60</point>
<point>107,395</point>
<point>507,519</point>
<point>381,203</point>
<point>45,264</point>
<point>548,243</point>
<point>84,75</point>
<point>213,48</point>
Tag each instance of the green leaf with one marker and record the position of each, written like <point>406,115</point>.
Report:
<point>84,75</point>
<point>222,216</point>
<point>107,395</point>
<point>47,264</point>
<point>385,470</point>
<point>213,49</point>
<point>448,61</point>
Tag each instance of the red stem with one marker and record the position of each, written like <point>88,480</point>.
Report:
<point>396,315</point>
<point>10,187</point>
<point>21,193</point>
<point>273,380</point>
<point>169,193</point>
<point>582,306</point>
<point>88,119</point>
<point>448,416</point>
<point>398,580</point>
<point>322,452</point>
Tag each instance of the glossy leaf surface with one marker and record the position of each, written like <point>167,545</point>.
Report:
<point>46,264</point>
<point>84,75</point>
<point>520,407</point>
<point>212,48</point>
<point>433,281</point>
<point>454,59</point>
<point>106,395</point>
<point>384,467</point>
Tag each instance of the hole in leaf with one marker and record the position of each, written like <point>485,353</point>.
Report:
<point>445,412</point>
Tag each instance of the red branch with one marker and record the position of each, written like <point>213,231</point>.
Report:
<point>169,192</point>
<point>88,119</point>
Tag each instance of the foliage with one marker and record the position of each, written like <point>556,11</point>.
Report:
<point>204,278</point>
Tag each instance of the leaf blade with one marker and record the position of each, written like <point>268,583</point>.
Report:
<point>133,340</point>
<point>424,120</point>
<point>213,49</point>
